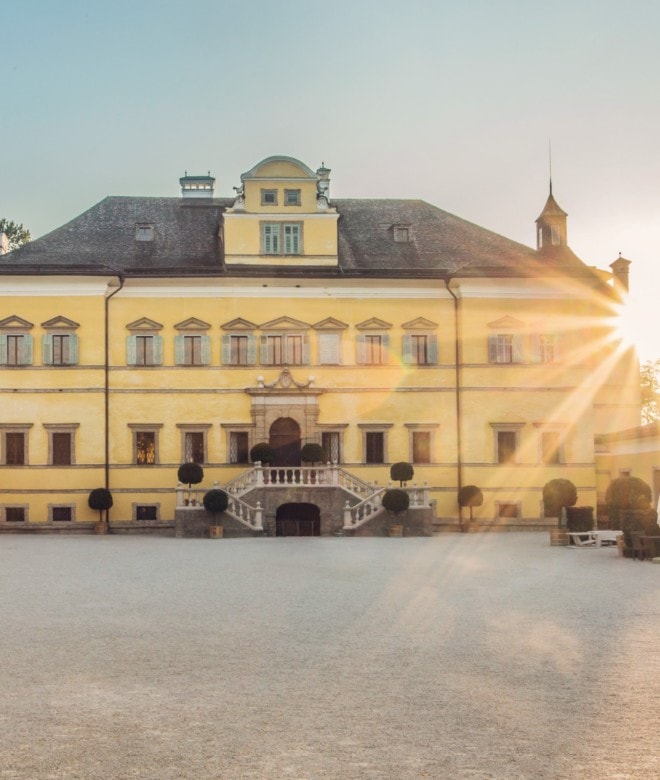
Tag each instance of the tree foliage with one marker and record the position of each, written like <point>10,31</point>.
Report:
<point>401,472</point>
<point>311,453</point>
<point>262,452</point>
<point>16,233</point>
<point>649,375</point>
<point>190,474</point>
<point>215,501</point>
<point>558,493</point>
<point>396,501</point>
<point>100,499</point>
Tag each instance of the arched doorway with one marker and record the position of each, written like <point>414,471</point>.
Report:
<point>284,438</point>
<point>298,520</point>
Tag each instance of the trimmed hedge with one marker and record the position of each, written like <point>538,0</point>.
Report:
<point>396,501</point>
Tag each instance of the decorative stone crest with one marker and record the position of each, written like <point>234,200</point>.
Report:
<point>285,381</point>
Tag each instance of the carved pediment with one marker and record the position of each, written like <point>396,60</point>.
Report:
<point>284,323</point>
<point>330,323</point>
<point>239,324</point>
<point>284,381</point>
<point>192,323</point>
<point>420,323</point>
<point>14,321</point>
<point>374,324</point>
<point>507,322</point>
<point>144,323</point>
<point>63,323</point>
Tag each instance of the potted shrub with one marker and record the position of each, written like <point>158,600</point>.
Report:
<point>190,474</point>
<point>628,502</point>
<point>312,453</point>
<point>396,501</point>
<point>215,501</point>
<point>557,495</point>
<point>470,496</point>
<point>401,472</point>
<point>262,453</point>
<point>101,499</point>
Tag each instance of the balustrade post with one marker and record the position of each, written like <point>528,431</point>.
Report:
<point>348,518</point>
<point>179,494</point>
<point>258,517</point>
<point>259,472</point>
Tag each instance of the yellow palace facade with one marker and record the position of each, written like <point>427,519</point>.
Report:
<point>149,332</point>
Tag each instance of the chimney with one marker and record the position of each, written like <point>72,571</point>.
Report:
<point>4,244</point>
<point>620,273</point>
<point>197,186</point>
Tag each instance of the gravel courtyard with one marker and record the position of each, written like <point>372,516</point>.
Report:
<point>457,656</point>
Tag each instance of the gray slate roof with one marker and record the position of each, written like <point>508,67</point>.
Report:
<point>187,242</point>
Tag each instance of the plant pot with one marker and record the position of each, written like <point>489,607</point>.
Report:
<point>216,531</point>
<point>396,530</point>
<point>100,527</point>
<point>558,537</point>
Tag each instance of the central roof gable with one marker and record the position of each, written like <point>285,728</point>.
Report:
<point>279,167</point>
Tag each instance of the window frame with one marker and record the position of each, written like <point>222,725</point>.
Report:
<point>375,428</point>
<point>291,343</point>
<point>137,505</point>
<point>506,428</point>
<point>16,356</point>
<point>15,428</point>
<point>274,240</point>
<point>187,354</point>
<point>232,357</point>
<point>194,428</point>
<point>506,349</point>
<point>4,508</point>
<point>137,429</point>
<point>53,429</point>
<point>53,508</point>
<point>267,192</point>
<point>365,349</point>
<point>297,197</point>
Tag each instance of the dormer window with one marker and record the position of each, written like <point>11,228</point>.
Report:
<point>144,231</point>
<point>269,197</point>
<point>292,197</point>
<point>401,233</point>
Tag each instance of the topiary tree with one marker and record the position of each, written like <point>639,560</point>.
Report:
<point>311,453</point>
<point>396,501</point>
<point>190,474</point>
<point>215,501</point>
<point>628,502</point>
<point>262,452</point>
<point>470,496</point>
<point>558,493</point>
<point>401,472</point>
<point>101,499</point>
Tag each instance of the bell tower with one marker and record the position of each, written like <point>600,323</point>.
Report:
<point>551,225</point>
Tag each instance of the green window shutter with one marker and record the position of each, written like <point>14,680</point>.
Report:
<point>361,349</point>
<point>47,349</point>
<point>131,350</point>
<point>252,350</point>
<point>205,343</point>
<point>535,348</point>
<point>518,349</point>
<point>385,341</point>
<point>433,348</point>
<point>157,343</point>
<point>271,236</point>
<point>264,350</point>
<point>27,350</point>
<point>179,354</point>
<point>73,349</point>
<point>226,349</point>
<point>3,350</point>
<point>492,349</point>
<point>407,349</point>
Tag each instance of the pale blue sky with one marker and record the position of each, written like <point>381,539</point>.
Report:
<point>452,102</point>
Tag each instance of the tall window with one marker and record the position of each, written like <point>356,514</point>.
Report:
<point>192,350</point>
<point>239,350</point>
<point>372,348</point>
<point>61,449</point>
<point>194,447</point>
<point>507,446</point>
<point>144,350</point>
<point>329,348</point>
<point>544,347</point>
<point>330,441</point>
<point>284,349</point>
<point>374,447</point>
<point>238,447</point>
<point>145,448</point>
<point>550,447</point>
<point>60,349</point>
<point>506,348</point>
<point>420,348</point>
<point>421,446</point>
<point>15,349</point>
<point>281,238</point>
<point>15,449</point>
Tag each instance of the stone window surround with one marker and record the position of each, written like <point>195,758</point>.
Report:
<point>23,428</point>
<point>136,504</point>
<point>374,428</point>
<point>506,427</point>
<point>145,428</point>
<point>202,428</point>
<point>429,428</point>
<point>517,504</point>
<point>24,507</point>
<point>70,428</point>
<point>560,429</point>
<point>72,507</point>
<point>230,428</point>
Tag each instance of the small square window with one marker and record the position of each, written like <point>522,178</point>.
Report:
<point>15,514</point>
<point>61,514</point>
<point>402,235</point>
<point>292,197</point>
<point>269,197</point>
<point>144,232</point>
<point>146,512</point>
